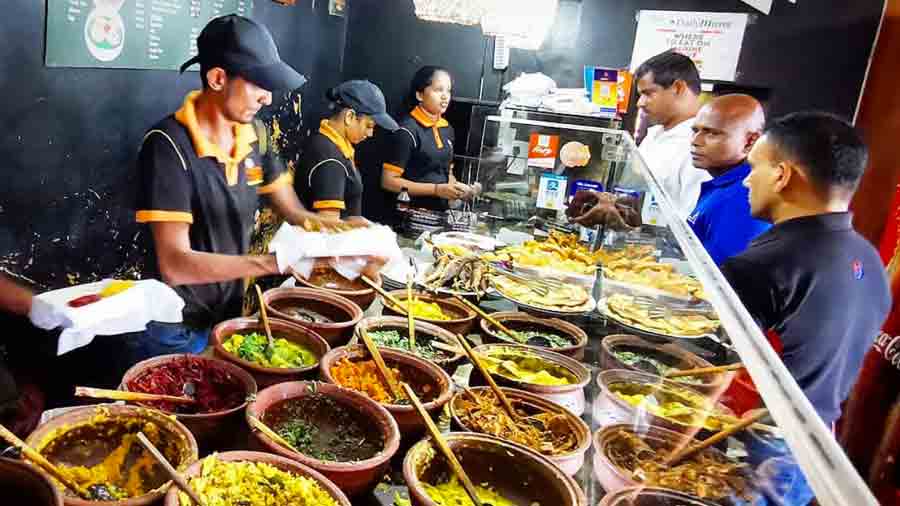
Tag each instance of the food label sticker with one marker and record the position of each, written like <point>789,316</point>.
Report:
<point>542,150</point>
<point>606,417</point>
<point>551,192</point>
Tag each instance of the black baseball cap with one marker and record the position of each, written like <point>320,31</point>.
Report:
<point>244,47</point>
<point>364,98</point>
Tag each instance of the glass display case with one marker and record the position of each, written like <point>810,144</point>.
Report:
<point>528,169</point>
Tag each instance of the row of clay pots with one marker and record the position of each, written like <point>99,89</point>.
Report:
<point>507,467</point>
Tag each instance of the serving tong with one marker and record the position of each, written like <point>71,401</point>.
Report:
<point>540,286</point>
<point>659,311</point>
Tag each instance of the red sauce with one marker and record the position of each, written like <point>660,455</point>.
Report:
<point>215,388</point>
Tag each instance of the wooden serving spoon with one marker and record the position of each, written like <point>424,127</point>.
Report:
<point>176,477</point>
<point>700,371</point>
<point>409,315</point>
<point>718,436</point>
<point>120,395</point>
<point>476,360</point>
<point>388,297</point>
<point>270,343</point>
<point>444,447</point>
<point>386,374</point>
<point>42,462</point>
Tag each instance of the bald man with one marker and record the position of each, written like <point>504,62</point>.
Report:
<point>724,132</point>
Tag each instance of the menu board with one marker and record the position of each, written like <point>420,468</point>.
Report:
<point>133,34</point>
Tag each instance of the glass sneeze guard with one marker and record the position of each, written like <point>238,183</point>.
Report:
<point>506,171</point>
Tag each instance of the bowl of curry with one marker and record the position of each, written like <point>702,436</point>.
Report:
<point>98,446</point>
<point>352,367</point>
<point>326,278</point>
<point>449,314</point>
<point>540,425</point>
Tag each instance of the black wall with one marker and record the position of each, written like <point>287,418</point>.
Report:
<point>70,137</point>
<point>811,55</point>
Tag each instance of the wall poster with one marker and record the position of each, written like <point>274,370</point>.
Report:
<point>712,39</point>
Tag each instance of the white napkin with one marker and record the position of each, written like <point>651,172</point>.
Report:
<point>298,249</point>
<point>129,311</point>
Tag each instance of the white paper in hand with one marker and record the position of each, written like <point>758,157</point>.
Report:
<point>128,311</point>
<point>297,248</point>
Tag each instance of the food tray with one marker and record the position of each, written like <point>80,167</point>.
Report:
<point>585,308</point>
<point>604,310</point>
<point>467,240</point>
<point>610,286</point>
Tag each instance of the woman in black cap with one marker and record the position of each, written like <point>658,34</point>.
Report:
<point>420,156</point>
<point>327,179</point>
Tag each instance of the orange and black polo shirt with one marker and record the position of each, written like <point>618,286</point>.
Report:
<point>186,178</point>
<point>422,151</point>
<point>326,176</point>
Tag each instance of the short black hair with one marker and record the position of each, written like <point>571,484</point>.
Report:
<point>669,67</point>
<point>831,150</point>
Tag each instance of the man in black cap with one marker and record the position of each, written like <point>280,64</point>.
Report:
<point>202,175</point>
<point>328,181</point>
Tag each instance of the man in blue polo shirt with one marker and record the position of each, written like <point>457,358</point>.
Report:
<point>815,286</point>
<point>724,132</point>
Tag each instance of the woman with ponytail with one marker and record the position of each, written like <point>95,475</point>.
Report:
<point>327,180</point>
<point>420,156</point>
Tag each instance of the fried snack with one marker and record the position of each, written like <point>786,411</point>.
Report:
<point>625,309</point>
<point>566,298</point>
<point>649,272</point>
<point>560,251</point>
<point>606,209</point>
<point>633,252</point>
<point>466,273</point>
<point>312,225</point>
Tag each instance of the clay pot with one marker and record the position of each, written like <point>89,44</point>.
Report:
<point>650,496</point>
<point>569,396</point>
<point>505,466</point>
<point>668,353</point>
<point>282,463</point>
<point>266,376</point>
<point>614,478</point>
<point>611,409</point>
<point>342,312</point>
<point>424,332</point>
<point>357,291</point>
<point>172,433</point>
<point>354,478</point>
<point>517,322</point>
<point>210,429</point>
<point>463,318</point>
<point>415,369</point>
<point>22,484</point>
<point>531,404</point>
